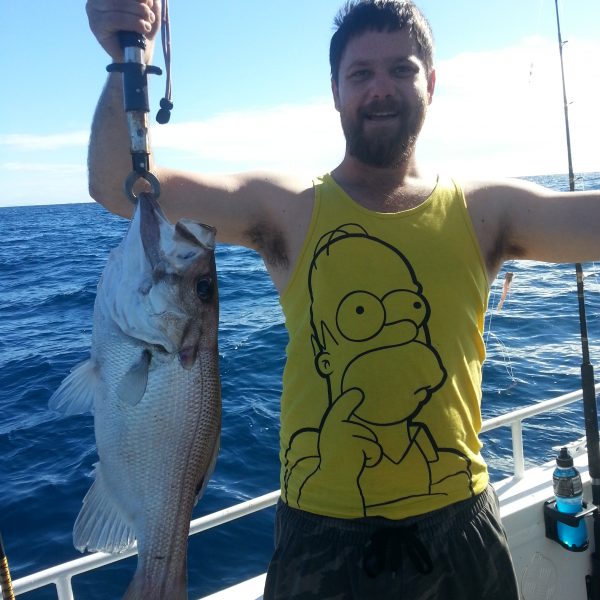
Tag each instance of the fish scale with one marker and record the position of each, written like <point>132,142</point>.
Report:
<point>189,464</point>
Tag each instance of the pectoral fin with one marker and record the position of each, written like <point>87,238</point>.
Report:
<point>132,387</point>
<point>76,393</point>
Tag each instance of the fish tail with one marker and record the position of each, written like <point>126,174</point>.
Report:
<point>143,587</point>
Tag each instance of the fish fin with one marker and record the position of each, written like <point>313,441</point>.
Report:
<point>100,525</point>
<point>132,387</point>
<point>76,393</point>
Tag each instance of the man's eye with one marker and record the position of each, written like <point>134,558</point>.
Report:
<point>360,74</point>
<point>404,71</point>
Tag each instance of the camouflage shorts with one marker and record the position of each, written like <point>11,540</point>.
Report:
<point>457,553</point>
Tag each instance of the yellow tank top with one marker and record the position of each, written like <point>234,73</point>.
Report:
<point>380,411</point>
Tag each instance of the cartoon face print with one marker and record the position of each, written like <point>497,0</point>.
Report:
<point>370,337</point>
<point>367,326</point>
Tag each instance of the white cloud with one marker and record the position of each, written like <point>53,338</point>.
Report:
<point>501,113</point>
<point>30,142</point>
<point>47,168</point>
<point>494,113</point>
<point>302,138</point>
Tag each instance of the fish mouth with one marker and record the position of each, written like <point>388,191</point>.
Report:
<point>151,212</point>
<point>197,233</point>
<point>155,226</point>
<point>151,220</point>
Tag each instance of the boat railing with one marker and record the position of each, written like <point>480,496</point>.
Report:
<point>60,575</point>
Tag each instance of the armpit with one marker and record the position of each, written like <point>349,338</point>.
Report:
<point>270,244</point>
<point>502,248</point>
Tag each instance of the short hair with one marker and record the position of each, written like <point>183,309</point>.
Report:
<point>358,16</point>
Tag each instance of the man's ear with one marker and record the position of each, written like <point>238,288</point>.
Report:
<point>431,85</point>
<point>336,95</point>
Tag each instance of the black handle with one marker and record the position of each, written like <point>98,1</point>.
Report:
<point>131,38</point>
<point>135,85</point>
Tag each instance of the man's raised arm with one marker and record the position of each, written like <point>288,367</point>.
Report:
<point>109,160</point>
<point>250,210</point>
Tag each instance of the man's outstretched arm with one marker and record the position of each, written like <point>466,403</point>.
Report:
<point>516,219</point>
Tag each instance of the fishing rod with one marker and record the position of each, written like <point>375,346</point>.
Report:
<point>5,580</point>
<point>587,369</point>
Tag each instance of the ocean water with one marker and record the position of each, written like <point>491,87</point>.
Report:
<point>50,261</point>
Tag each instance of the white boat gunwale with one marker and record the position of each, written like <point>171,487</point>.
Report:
<point>511,491</point>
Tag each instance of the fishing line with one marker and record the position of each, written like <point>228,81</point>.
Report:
<point>508,277</point>
<point>504,351</point>
<point>537,30</point>
<point>506,357</point>
<point>488,328</point>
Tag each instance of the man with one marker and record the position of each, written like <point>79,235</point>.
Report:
<point>383,276</point>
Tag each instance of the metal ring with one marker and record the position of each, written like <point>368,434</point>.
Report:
<point>133,178</point>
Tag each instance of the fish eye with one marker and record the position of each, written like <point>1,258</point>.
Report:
<point>204,288</point>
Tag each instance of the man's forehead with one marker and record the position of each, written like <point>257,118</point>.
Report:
<point>377,45</point>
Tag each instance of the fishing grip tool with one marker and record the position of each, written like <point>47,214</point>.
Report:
<point>135,93</point>
<point>5,580</point>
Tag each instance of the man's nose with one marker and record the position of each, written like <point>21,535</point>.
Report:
<point>382,85</point>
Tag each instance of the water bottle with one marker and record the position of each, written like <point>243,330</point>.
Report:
<point>569,494</point>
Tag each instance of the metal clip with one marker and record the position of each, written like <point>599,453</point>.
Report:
<point>134,177</point>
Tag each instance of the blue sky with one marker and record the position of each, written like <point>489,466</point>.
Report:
<point>251,90</point>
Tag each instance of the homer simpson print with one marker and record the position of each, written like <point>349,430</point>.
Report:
<point>368,334</point>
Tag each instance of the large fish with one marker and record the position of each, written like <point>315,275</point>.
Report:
<point>152,382</point>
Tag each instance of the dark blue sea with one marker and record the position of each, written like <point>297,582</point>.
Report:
<point>50,260</point>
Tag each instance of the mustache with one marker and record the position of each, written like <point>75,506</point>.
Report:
<point>378,106</point>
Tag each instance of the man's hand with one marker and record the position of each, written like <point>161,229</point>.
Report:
<point>107,17</point>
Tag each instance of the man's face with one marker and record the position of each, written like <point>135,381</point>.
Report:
<point>382,96</point>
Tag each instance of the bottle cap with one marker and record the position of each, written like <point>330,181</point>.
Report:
<point>564,459</point>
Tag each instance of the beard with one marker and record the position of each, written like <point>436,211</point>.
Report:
<point>393,144</point>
